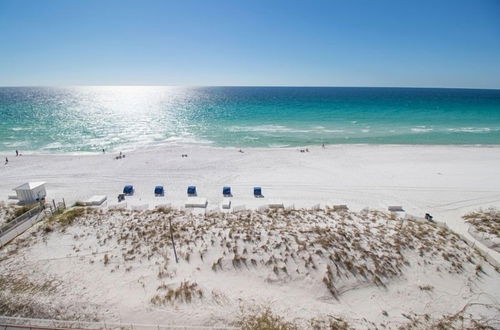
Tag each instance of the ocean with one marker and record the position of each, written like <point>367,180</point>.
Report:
<point>88,119</point>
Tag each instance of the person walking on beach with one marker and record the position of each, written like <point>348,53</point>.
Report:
<point>6,160</point>
<point>17,153</point>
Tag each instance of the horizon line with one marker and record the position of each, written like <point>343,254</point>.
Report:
<point>246,86</point>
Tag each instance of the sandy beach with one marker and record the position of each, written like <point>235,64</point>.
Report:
<point>445,181</point>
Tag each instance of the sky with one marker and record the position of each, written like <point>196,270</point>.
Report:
<point>445,43</point>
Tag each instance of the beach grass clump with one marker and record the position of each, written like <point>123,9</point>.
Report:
<point>334,323</point>
<point>65,218</point>
<point>6,209</point>
<point>264,319</point>
<point>17,211</point>
<point>465,318</point>
<point>184,293</point>
<point>485,221</point>
<point>21,284</point>
<point>426,287</point>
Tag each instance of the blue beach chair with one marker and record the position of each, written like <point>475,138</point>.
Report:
<point>257,192</point>
<point>128,190</point>
<point>191,191</point>
<point>226,191</point>
<point>159,191</point>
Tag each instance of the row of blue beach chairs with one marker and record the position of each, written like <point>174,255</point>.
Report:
<point>191,191</point>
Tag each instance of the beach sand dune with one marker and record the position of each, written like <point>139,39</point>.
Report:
<point>367,268</point>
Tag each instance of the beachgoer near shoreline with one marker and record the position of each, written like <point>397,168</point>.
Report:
<point>6,160</point>
<point>17,153</point>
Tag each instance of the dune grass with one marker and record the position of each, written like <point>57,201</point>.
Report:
<point>485,221</point>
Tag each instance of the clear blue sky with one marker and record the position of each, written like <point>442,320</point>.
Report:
<point>440,43</point>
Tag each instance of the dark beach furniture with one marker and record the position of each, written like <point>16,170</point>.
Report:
<point>191,191</point>
<point>159,191</point>
<point>121,197</point>
<point>395,208</point>
<point>257,191</point>
<point>226,191</point>
<point>341,207</point>
<point>128,189</point>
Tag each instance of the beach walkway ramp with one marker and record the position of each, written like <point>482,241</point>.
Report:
<point>19,225</point>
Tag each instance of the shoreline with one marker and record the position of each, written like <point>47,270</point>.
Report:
<point>207,145</point>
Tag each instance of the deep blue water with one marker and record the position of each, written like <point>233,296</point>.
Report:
<point>77,119</point>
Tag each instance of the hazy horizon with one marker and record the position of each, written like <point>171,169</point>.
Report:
<point>245,86</point>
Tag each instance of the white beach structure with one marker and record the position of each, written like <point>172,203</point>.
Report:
<point>30,192</point>
<point>196,202</point>
<point>226,203</point>
<point>95,200</point>
<point>275,204</point>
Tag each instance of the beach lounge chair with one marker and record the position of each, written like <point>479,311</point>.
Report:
<point>395,208</point>
<point>196,202</point>
<point>128,190</point>
<point>226,203</point>
<point>275,204</point>
<point>226,191</point>
<point>257,192</point>
<point>159,191</point>
<point>191,191</point>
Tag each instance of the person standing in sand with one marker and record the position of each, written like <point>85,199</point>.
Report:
<point>6,160</point>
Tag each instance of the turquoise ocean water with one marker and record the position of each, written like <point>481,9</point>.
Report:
<point>83,119</point>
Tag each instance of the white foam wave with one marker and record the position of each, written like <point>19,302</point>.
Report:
<point>54,145</point>
<point>16,144</point>
<point>186,140</point>
<point>421,129</point>
<point>277,145</point>
<point>267,128</point>
<point>470,129</point>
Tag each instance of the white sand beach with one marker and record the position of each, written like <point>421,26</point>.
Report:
<point>445,181</point>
